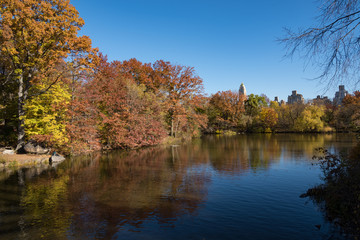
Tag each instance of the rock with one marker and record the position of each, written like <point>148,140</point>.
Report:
<point>56,158</point>
<point>9,151</point>
<point>35,148</point>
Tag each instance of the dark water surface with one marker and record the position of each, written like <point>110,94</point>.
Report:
<point>238,187</point>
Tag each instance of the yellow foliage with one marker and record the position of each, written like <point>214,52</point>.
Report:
<point>310,119</point>
<point>46,114</point>
<point>268,118</point>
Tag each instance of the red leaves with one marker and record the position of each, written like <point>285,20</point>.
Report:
<point>129,104</point>
<point>127,116</point>
<point>183,90</point>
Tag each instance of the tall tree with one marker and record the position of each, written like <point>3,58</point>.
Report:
<point>333,43</point>
<point>128,116</point>
<point>36,37</point>
<point>310,120</point>
<point>45,117</point>
<point>140,73</point>
<point>253,104</point>
<point>184,94</point>
<point>347,117</point>
<point>229,104</point>
<point>268,118</point>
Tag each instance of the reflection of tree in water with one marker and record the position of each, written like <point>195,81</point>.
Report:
<point>10,213</point>
<point>98,196</point>
<point>237,154</point>
<point>339,195</point>
<point>33,205</point>
<point>123,190</point>
<point>45,208</point>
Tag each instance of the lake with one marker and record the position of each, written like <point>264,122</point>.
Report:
<point>217,187</point>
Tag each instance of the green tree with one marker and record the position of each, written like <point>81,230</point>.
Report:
<point>253,104</point>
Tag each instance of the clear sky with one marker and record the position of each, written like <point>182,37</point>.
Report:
<point>227,42</point>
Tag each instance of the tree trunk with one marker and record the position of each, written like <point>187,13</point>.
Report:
<point>172,127</point>
<point>21,112</point>
<point>176,128</point>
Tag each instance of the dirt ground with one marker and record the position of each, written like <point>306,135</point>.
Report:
<point>19,160</point>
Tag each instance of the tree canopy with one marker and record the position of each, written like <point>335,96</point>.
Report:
<point>36,38</point>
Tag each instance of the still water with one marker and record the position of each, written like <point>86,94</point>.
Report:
<point>237,187</point>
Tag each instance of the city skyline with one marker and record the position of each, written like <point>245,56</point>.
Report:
<point>298,97</point>
<point>227,43</point>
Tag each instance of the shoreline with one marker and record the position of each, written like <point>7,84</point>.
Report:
<point>15,161</point>
<point>22,160</point>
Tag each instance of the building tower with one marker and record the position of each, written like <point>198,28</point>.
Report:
<point>242,90</point>
<point>295,98</point>
<point>339,96</point>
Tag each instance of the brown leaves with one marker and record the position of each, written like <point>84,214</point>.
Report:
<point>229,104</point>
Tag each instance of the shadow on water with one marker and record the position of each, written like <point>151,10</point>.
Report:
<point>339,194</point>
<point>102,195</point>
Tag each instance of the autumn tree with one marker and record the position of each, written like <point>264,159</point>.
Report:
<point>140,73</point>
<point>347,116</point>
<point>183,90</point>
<point>82,121</point>
<point>333,43</point>
<point>287,115</point>
<point>145,123</point>
<point>284,121</point>
<point>290,115</point>
<point>268,119</point>
<point>36,37</point>
<point>128,116</point>
<point>230,104</point>
<point>310,119</point>
<point>225,109</point>
<point>8,106</point>
<point>45,116</point>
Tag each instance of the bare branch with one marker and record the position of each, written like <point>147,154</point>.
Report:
<point>333,46</point>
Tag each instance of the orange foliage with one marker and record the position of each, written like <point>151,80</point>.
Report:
<point>352,99</point>
<point>36,38</point>
<point>183,90</point>
<point>229,104</point>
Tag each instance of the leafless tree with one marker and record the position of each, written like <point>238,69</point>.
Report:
<point>333,44</point>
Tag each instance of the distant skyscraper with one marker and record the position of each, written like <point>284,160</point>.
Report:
<point>242,90</point>
<point>295,98</point>
<point>321,100</point>
<point>339,96</point>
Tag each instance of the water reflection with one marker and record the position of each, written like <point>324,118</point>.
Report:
<point>99,196</point>
<point>124,189</point>
<point>235,155</point>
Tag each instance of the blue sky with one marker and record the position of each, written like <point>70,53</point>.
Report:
<point>227,42</point>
